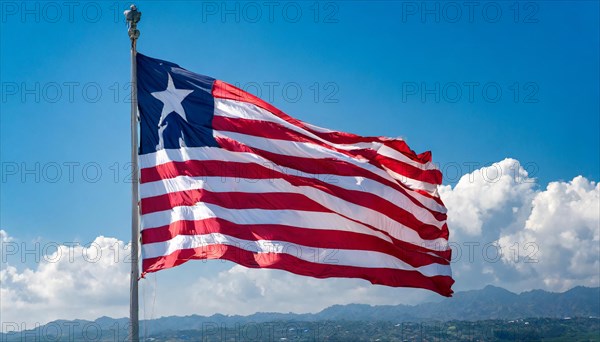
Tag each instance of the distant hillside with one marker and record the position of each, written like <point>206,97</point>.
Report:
<point>490,303</point>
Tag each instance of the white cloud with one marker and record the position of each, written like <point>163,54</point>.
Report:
<point>72,282</point>
<point>485,194</point>
<point>508,233</point>
<point>563,229</point>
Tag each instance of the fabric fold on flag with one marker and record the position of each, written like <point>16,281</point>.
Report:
<point>226,175</point>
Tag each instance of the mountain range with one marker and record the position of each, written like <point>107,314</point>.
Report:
<point>489,303</point>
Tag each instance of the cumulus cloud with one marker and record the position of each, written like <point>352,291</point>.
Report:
<point>482,197</point>
<point>563,230</point>
<point>72,282</point>
<point>506,230</point>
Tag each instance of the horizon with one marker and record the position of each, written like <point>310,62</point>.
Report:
<point>508,105</point>
<point>407,317</point>
<point>343,305</point>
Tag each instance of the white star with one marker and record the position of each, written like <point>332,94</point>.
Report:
<point>171,98</point>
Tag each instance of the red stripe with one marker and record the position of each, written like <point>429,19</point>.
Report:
<point>226,91</point>
<point>382,276</point>
<point>194,168</point>
<point>271,130</point>
<point>232,200</point>
<point>317,238</point>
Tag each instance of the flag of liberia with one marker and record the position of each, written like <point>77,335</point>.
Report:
<point>225,175</point>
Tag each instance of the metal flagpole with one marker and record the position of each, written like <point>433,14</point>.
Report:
<point>133,17</point>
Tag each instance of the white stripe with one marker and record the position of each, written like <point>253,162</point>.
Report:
<point>343,257</point>
<point>244,110</point>
<point>318,128</point>
<point>314,151</point>
<point>347,182</point>
<point>391,153</point>
<point>278,185</point>
<point>411,183</point>
<point>296,218</point>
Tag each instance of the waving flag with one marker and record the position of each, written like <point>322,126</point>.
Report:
<point>225,175</point>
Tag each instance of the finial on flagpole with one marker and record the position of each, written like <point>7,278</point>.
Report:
<point>133,16</point>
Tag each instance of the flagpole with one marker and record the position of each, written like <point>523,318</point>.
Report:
<point>133,17</point>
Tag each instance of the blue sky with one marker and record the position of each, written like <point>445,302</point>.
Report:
<point>369,58</point>
<point>509,79</point>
